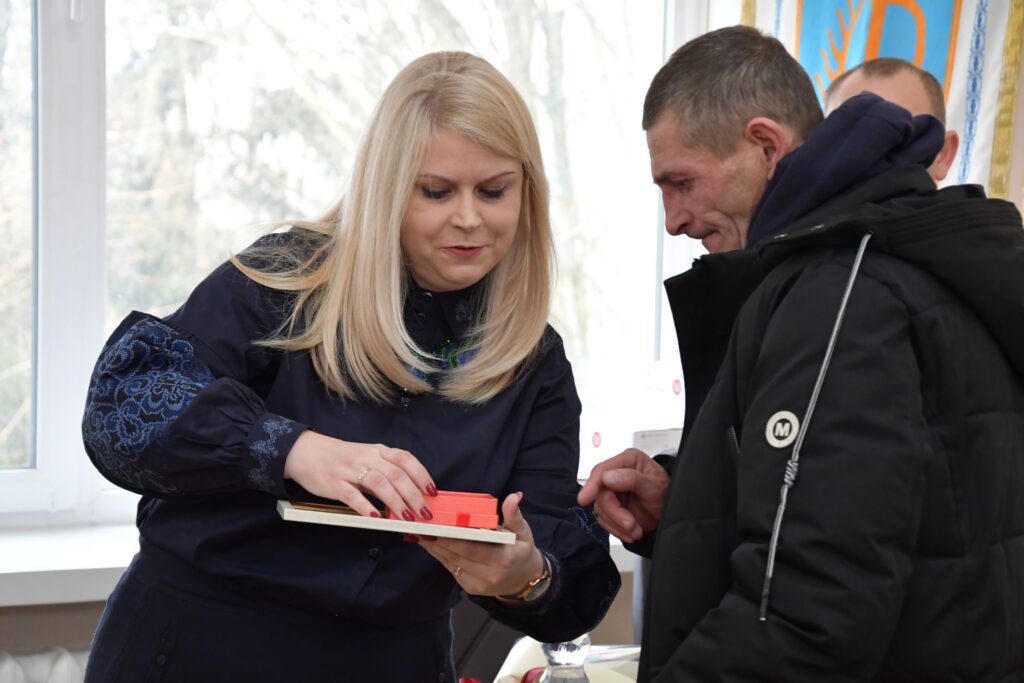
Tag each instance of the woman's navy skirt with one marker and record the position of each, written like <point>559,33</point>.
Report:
<point>167,622</point>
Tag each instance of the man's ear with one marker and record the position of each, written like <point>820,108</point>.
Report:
<point>773,140</point>
<point>944,159</point>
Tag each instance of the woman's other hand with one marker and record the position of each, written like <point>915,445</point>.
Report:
<point>345,471</point>
<point>490,568</point>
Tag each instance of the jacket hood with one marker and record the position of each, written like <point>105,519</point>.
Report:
<point>972,244</point>
<point>863,138</point>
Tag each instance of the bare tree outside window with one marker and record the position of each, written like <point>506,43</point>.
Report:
<point>17,234</point>
<point>226,116</point>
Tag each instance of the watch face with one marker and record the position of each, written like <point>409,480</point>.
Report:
<point>538,588</point>
<point>538,585</point>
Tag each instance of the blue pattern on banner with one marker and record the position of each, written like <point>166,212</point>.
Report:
<point>817,20</point>
<point>975,75</point>
<point>898,36</point>
<point>778,17</point>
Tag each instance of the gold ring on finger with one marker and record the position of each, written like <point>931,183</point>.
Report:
<point>458,570</point>
<point>362,473</point>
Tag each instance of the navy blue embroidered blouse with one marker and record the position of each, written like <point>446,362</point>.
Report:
<point>190,413</point>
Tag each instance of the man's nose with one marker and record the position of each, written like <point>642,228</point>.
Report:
<point>677,217</point>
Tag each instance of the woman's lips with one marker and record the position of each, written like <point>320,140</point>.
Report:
<point>464,252</point>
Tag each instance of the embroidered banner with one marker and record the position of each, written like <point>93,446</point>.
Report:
<point>963,43</point>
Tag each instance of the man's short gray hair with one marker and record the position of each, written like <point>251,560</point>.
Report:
<point>718,82</point>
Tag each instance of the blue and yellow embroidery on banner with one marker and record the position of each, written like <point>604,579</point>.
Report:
<point>833,36</point>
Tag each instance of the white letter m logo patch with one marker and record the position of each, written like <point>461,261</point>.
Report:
<point>782,429</point>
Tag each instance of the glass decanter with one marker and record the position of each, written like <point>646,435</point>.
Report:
<point>565,661</point>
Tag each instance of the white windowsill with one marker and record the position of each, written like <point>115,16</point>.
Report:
<point>83,564</point>
<point>73,564</point>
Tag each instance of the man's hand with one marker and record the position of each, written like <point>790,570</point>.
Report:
<point>627,491</point>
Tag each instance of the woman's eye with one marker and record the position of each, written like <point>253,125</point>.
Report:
<point>432,193</point>
<point>493,192</point>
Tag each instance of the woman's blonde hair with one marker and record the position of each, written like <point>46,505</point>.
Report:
<point>350,284</point>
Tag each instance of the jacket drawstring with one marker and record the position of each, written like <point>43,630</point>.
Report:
<point>794,460</point>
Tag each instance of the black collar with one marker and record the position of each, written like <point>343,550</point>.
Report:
<point>433,318</point>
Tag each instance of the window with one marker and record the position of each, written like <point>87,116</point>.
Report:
<point>64,322</point>
<point>170,134</point>
<point>17,234</point>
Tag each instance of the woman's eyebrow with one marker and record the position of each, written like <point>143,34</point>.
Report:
<point>441,178</point>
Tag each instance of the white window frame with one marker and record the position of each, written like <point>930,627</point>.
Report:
<point>684,21</point>
<point>70,190</point>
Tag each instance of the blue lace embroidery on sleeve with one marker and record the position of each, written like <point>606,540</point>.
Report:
<point>586,520</point>
<point>266,451</point>
<point>141,384</point>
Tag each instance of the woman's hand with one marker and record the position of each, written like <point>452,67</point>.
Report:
<point>345,470</point>
<point>490,568</point>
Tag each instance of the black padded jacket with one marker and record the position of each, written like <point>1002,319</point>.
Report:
<point>900,554</point>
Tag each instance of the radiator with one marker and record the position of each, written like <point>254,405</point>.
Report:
<point>56,665</point>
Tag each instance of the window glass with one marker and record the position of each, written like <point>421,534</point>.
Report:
<point>17,234</point>
<point>225,116</point>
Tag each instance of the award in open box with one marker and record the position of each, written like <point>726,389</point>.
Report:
<point>469,516</point>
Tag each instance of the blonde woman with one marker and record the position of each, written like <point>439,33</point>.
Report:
<point>396,346</point>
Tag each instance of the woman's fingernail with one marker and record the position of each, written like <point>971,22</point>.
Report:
<point>431,489</point>
<point>375,514</point>
<point>409,538</point>
<point>408,516</point>
<point>425,513</point>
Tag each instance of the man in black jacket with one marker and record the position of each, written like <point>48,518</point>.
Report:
<point>846,501</point>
